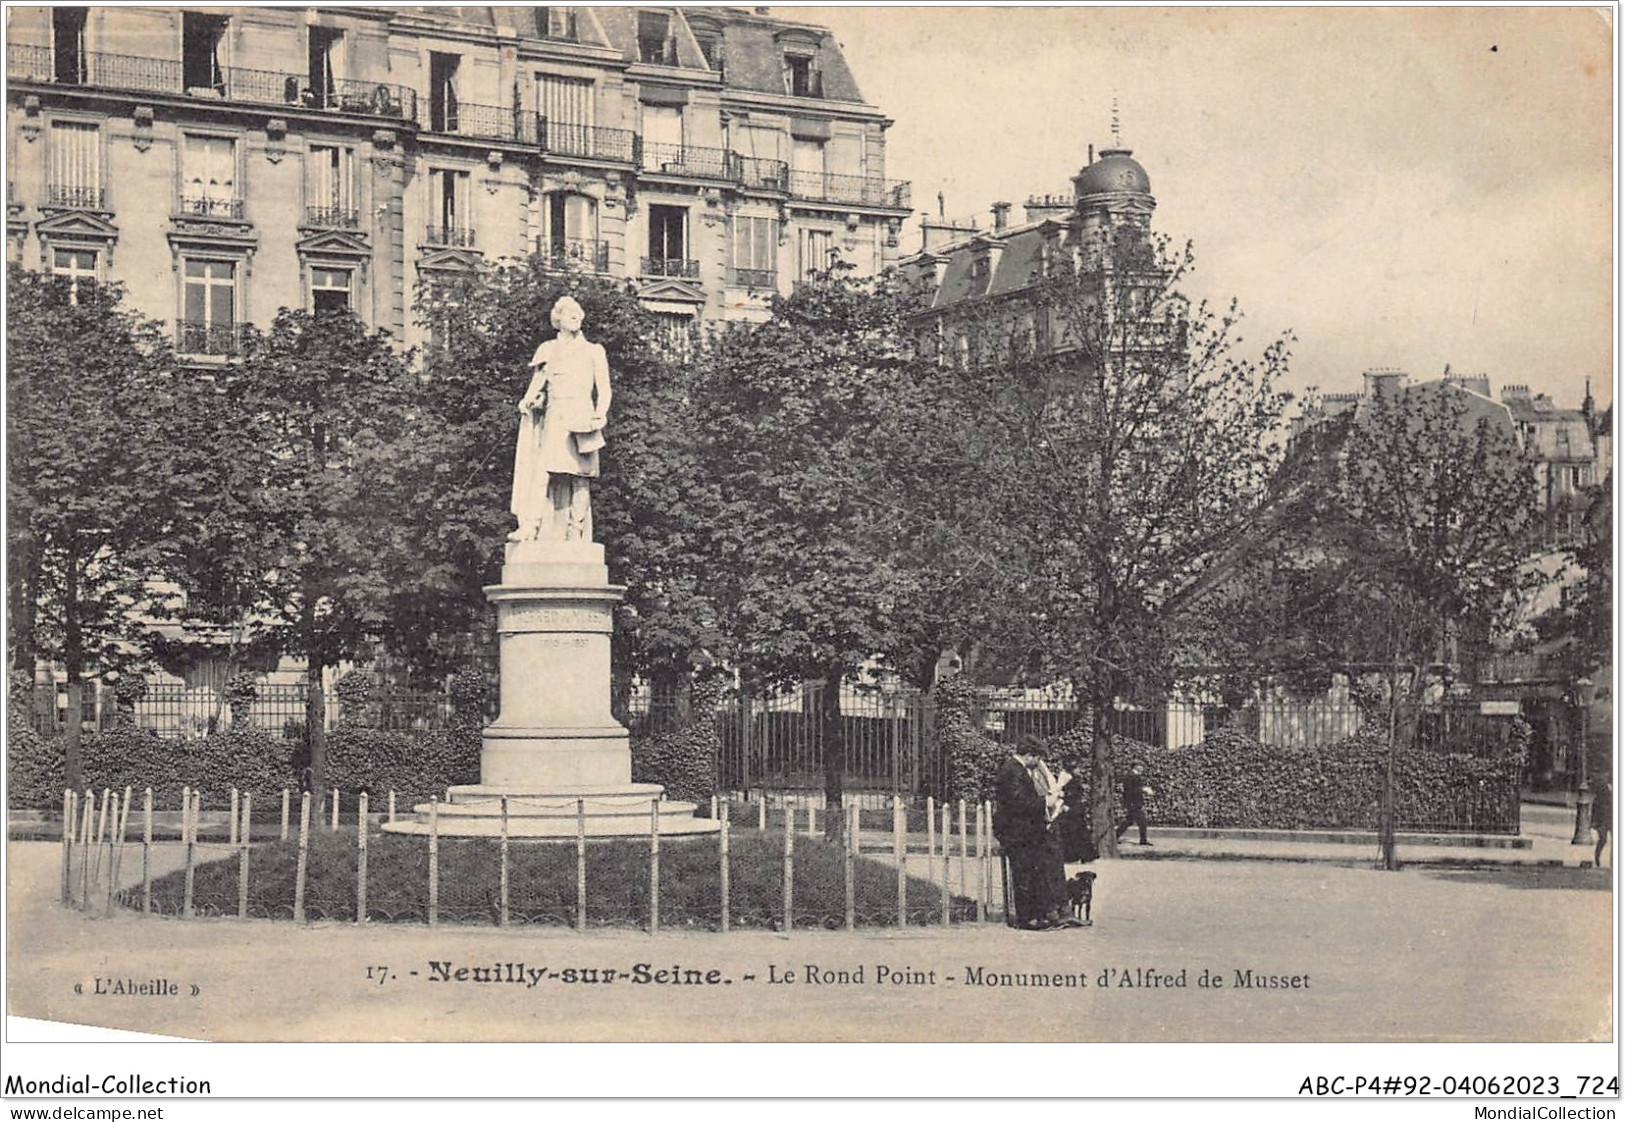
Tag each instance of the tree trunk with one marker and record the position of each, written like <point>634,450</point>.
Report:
<point>27,561</point>
<point>316,731</point>
<point>834,736</point>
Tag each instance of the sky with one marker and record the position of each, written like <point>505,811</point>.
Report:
<point>1397,187</point>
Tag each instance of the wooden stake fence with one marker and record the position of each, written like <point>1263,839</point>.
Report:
<point>789,870</point>
<point>69,803</point>
<point>146,852</point>
<point>947,860</point>
<point>964,855</point>
<point>235,809</point>
<point>87,819</point>
<point>112,877</point>
<point>244,835</point>
<point>981,867</point>
<point>654,866</point>
<point>899,842</point>
<point>581,864</point>
<point>361,859</point>
<point>722,845</point>
<point>849,864</point>
<point>502,875</point>
<point>434,861</point>
<point>284,834</point>
<point>189,812</point>
<point>304,858</point>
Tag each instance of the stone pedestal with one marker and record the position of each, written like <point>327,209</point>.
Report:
<point>556,753</point>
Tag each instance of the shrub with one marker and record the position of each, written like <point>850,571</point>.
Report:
<point>971,756</point>
<point>683,758</point>
<point>34,768</point>
<point>354,692</point>
<point>416,765</point>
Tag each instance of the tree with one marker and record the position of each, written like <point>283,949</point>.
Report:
<point>91,480</point>
<point>1131,447</point>
<point>795,504</point>
<point>302,509</point>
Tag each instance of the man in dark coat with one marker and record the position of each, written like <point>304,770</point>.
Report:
<point>1135,789</point>
<point>1021,823</point>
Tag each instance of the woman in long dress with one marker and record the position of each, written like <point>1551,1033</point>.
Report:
<point>561,423</point>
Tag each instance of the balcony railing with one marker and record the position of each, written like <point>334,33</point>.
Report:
<point>685,159</point>
<point>576,253</point>
<point>591,141</point>
<point>450,235</point>
<point>208,338</point>
<point>75,198</point>
<point>752,278</point>
<point>29,63</point>
<point>332,217</point>
<point>670,267</point>
<point>860,189</point>
<point>197,206</point>
<point>488,122</point>
<point>756,173</point>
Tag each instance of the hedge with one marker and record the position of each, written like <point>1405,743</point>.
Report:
<point>683,759</point>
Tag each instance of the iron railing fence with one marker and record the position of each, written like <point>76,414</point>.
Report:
<point>685,159</point>
<point>332,217</point>
<point>462,237</point>
<point>30,63</point>
<point>670,267</point>
<point>756,173</point>
<point>591,254</point>
<point>489,122</point>
<point>862,189</point>
<point>208,338</point>
<point>75,198</point>
<point>204,206</point>
<point>564,138</point>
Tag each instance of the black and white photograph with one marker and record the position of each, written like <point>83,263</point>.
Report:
<point>581,530</point>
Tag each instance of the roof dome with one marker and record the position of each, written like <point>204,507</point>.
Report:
<point>1116,171</point>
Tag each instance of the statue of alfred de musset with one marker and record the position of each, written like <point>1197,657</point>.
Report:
<point>561,429</point>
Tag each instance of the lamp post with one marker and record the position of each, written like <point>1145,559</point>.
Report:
<point>1585,692</point>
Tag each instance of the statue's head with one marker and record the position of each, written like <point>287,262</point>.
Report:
<point>567,314</point>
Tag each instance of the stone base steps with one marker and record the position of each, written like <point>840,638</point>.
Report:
<point>622,811</point>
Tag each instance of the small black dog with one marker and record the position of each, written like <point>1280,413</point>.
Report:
<point>1081,890</point>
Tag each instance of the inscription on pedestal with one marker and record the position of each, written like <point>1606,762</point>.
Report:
<point>527,617</point>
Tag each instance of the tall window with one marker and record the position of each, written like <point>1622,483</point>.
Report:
<point>203,38</point>
<point>76,166</point>
<point>807,156</point>
<point>450,203</point>
<point>326,58</point>
<point>668,241</point>
<point>654,39</point>
<point>755,251</point>
<point>209,309</point>
<point>68,45</point>
<point>816,253</point>
<point>571,221</point>
<point>329,290</point>
<point>443,91</point>
<point>329,186</point>
<point>567,105</point>
<point>711,47</point>
<point>662,137</point>
<point>77,265</point>
<point>209,177</point>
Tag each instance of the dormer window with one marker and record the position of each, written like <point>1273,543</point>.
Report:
<point>557,23</point>
<point>203,39</point>
<point>326,44</point>
<point>68,45</point>
<point>654,39</point>
<point>711,47</point>
<point>802,77</point>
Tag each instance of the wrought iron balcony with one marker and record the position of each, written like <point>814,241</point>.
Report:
<point>198,206</point>
<point>757,174</point>
<point>75,198</point>
<point>27,63</point>
<point>450,236</point>
<point>488,122</point>
<point>859,189</point>
<point>332,217</point>
<point>752,278</point>
<point>590,141</point>
<point>685,159</point>
<point>670,267</point>
<point>208,338</point>
<point>576,253</point>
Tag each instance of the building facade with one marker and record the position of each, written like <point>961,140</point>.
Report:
<point>224,163</point>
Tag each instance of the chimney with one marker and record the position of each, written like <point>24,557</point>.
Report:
<point>1001,217</point>
<point>1515,392</point>
<point>1040,207</point>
